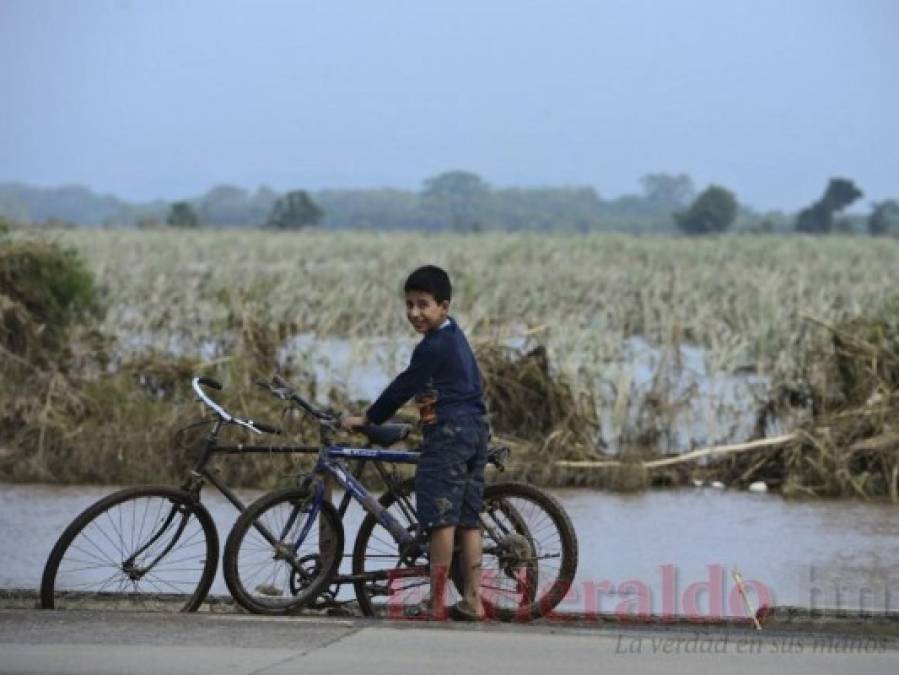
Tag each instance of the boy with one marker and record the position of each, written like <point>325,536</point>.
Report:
<point>449,477</point>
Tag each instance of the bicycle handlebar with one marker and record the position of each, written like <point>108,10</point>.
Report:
<point>256,427</point>
<point>497,455</point>
<point>209,382</point>
<point>281,388</point>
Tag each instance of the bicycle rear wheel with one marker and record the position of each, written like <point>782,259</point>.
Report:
<point>529,552</point>
<point>279,555</point>
<point>142,548</point>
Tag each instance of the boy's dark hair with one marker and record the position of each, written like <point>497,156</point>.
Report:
<point>430,279</point>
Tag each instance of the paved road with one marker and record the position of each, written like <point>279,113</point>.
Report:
<point>97,643</point>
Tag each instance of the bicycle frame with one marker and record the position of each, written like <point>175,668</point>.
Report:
<point>327,464</point>
<point>200,473</point>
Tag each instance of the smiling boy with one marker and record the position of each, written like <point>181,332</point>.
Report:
<point>449,477</point>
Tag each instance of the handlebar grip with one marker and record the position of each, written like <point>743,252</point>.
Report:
<point>209,382</point>
<point>266,428</point>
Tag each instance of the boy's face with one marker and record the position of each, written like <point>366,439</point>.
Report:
<point>424,313</point>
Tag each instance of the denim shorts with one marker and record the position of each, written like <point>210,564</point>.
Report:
<point>449,479</point>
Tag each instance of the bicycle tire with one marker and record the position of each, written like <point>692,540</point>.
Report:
<point>97,561</point>
<point>274,589</point>
<point>531,530</point>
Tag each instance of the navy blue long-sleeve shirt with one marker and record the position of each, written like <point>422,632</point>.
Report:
<point>442,361</point>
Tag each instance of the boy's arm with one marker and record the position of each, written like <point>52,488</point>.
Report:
<point>425,359</point>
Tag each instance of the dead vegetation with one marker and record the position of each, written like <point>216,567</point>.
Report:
<point>535,410</point>
<point>75,413</point>
<point>847,389</point>
<point>72,410</point>
<point>71,413</point>
<point>849,447</point>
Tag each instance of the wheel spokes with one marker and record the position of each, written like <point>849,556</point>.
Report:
<point>133,552</point>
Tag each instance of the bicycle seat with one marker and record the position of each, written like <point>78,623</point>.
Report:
<point>385,434</point>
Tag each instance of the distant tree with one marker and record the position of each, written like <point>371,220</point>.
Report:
<point>543,209</point>
<point>818,218</point>
<point>371,209</point>
<point>233,206</point>
<point>712,211</point>
<point>668,191</point>
<point>294,211</point>
<point>11,205</point>
<point>884,219</point>
<point>224,205</point>
<point>182,214</point>
<point>459,197</point>
<point>4,225</point>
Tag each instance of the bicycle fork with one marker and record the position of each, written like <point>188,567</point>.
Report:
<point>286,550</point>
<point>137,573</point>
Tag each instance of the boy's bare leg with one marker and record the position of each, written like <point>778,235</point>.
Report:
<point>441,552</point>
<point>471,544</point>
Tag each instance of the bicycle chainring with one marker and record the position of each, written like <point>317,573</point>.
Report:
<point>312,566</point>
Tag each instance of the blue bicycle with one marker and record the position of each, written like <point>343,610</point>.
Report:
<point>285,550</point>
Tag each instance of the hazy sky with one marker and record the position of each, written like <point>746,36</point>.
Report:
<point>166,98</point>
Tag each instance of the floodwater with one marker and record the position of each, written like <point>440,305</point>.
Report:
<point>660,551</point>
<point>702,406</point>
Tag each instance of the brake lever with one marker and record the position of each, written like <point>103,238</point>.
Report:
<point>279,392</point>
<point>332,424</point>
<point>332,421</point>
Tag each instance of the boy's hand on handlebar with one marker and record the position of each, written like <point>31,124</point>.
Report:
<point>350,422</point>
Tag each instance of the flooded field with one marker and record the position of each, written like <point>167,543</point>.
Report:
<point>700,406</point>
<point>637,552</point>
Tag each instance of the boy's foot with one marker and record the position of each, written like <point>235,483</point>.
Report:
<point>462,612</point>
<point>422,611</point>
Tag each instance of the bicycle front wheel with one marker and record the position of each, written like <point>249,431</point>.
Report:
<point>151,548</point>
<point>385,581</point>
<point>280,554</point>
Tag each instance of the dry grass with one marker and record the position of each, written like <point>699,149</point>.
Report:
<point>224,303</point>
<point>740,297</point>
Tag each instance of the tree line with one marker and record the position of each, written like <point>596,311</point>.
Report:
<point>715,209</point>
<point>460,201</point>
<point>463,202</point>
